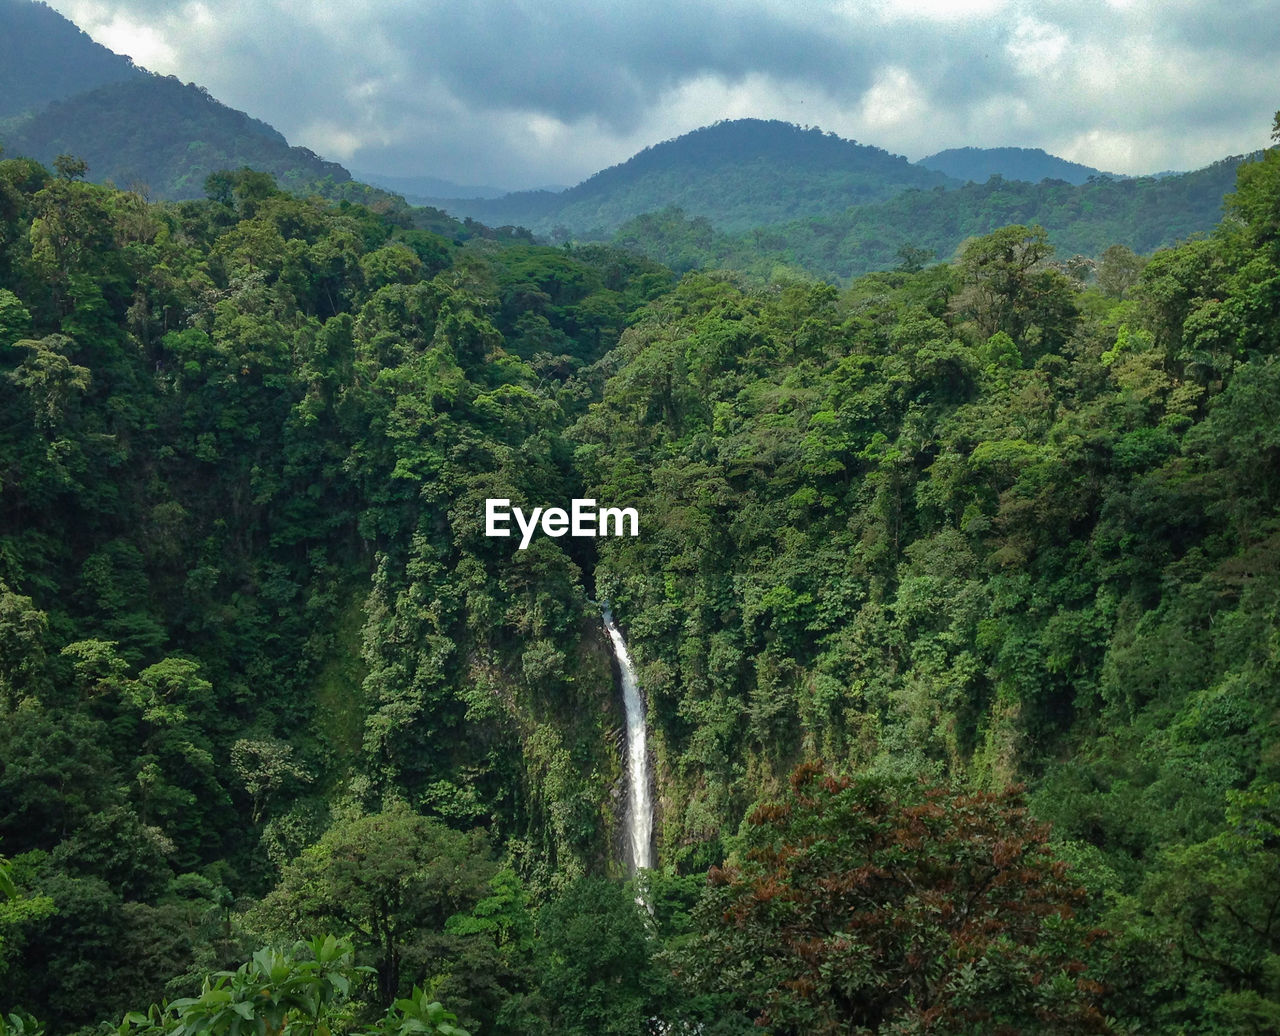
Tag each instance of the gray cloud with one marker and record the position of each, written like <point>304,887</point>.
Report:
<point>516,92</point>
<point>578,60</point>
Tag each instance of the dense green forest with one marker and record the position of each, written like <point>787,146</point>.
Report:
<point>1032,164</point>
<point>771,199</point>
<point>915,227</point>
<point>928,564</point>
<point>153,134</point>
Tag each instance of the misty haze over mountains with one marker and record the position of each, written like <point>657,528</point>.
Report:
<point>68,94</point>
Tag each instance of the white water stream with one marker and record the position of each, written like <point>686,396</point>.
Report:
<point>639,807</point>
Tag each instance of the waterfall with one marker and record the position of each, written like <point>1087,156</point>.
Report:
<point>639,808</point>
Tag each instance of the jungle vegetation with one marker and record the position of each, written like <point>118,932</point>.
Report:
<point>956,605</point>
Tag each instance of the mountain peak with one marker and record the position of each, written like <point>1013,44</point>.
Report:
<point>744,140</point>
<point>979,164</point>
<point>737,173</point>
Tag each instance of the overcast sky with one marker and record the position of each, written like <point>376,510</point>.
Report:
<point>517,93</point>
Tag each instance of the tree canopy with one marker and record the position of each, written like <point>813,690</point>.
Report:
<point>854,904</point>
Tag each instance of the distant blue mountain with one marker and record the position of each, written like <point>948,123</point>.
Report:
<point>420,188</point>
<point>979,164</point>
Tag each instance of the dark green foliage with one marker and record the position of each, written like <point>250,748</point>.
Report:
<point>978,521</point>
<point>391,880</point>
<point>247,439</point>
<point>19,909</point>
<point>95,954</point>
<point>975,519</point>
<point>594,968</point>
<point>979,164</point>
<point>1141,214</point>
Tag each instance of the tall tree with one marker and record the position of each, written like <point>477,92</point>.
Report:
<point>390,879</point>
<point>861,905</point>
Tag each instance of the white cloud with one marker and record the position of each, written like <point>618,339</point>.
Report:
<point>895,101</point>
<point>1038,48</point>
<point>116,30</point>
<point>937,10</point>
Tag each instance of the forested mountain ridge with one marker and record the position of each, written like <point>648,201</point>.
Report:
<point>739,173</point>
<point>916,227</point>
<point>44,58</point>
<point>771,194</point>
<point>264,676</point>
<point>167,137</point>
<point>979,164</point>
<point>710,199</point>
<point>65,94</point>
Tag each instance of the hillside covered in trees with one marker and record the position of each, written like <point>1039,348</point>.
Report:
<point>62,93</point>
<point>738,174</point>
<point>980,164</point>
<point>46,58</point>
<point>748,194</point>
<point>916,227</point>
<point>928,563</point>
<point>758,196</point>
<point>165,138</point>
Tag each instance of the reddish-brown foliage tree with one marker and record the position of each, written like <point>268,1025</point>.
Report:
<point>860,905</point>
